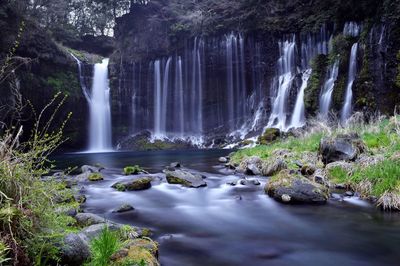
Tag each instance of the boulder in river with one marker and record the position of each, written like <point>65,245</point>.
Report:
<point>141,183</point>
<point>184,178</point>
<point>341,148</point>
<point>291,187</point>
<point>124,208</point>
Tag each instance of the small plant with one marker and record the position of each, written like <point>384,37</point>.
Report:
<point>103,247</point>
<point>132,170</point>
<point>3,253</point>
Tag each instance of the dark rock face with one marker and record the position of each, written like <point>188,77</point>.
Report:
<point>341,148</point>
<point>45,70</point>
<point>290,187</point>
<point>184,178</point>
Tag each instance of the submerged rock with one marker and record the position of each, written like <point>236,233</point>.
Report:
<point>124,208</point>
<point>223,159</point>
<point>341,148</point>
<point>291,187</point>
<point>184,178</point>
<point>91,169</point>
<point>141,183</point>
<point>175,165</point>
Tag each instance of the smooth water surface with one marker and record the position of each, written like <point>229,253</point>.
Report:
<point>238,225</point>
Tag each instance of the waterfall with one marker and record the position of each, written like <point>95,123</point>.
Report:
<point>299,118</point>
<point>157,98</point>
<point>286,67</point>
<point>180,100</point>
<point>100,114</point>
<point>81,78</point>
<point>327,90</point>
<point>346,111</point>
<point>229,82</point>
<point>164,96</point>
<point>352,29</point>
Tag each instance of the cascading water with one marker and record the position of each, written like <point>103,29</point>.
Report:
<point>286,68</point>
<point>81,78</point>
<point>100,114</point>
<point>347,107</point>
<point>327,90</point>
<point>299,118</point>
<point>157,99</point>
<point>352,29</point>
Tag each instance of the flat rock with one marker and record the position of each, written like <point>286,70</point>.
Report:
<point>184,178</point>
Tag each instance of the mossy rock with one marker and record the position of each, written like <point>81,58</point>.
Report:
<point>269,136</point>
<point>95,177</point>
<point>132,170</point>
<point>141,251</point>
<point>134,185</point>
<point>291,187</point>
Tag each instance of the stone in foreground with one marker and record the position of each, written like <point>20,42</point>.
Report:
<point>184,178</point>
<point>288,187</point>
<point>141,183</point>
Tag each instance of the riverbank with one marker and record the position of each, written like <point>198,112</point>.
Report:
<point>362,158</point>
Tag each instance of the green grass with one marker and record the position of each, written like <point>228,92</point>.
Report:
<point>384,177</point>
<point>309,143</point>
<point>376,140</point>
<point>103,247</point>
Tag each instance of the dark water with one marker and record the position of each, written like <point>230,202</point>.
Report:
<point>225,225</point>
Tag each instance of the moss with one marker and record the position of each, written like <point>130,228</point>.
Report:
<point>132,170</point>
<point>270,135</point>
<point>338,93</point>
<point>180,181</point>
<point>65,82</point>
<point>95,177</point>
<point>364,85</point>
<point>311,93</point>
